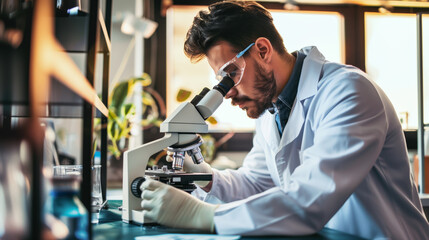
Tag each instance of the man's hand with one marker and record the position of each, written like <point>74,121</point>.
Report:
<point>190,166</point>
<point>175,208</point>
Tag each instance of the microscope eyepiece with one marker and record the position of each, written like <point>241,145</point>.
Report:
<point>212,99</point>
<point>199,96</point>
<point>225,85</point>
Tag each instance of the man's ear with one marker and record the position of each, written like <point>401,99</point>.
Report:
<point>264,48</point>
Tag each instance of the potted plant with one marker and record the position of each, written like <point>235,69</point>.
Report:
<point>122,114</point>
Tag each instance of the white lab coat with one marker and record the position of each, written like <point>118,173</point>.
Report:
<point>341,163</point>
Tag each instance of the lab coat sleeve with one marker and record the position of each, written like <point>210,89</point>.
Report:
<point>252,178</point>
<point>349,127</point>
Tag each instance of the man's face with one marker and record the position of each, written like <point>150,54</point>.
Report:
<point>255,92</point>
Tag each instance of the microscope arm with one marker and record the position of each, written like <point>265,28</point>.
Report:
<point>135,161</point>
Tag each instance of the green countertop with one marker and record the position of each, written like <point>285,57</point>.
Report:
<point>111,227</point>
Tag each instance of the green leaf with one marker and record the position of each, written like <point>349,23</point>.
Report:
<point>121,112</point>
<point>212,120</point>
<point>182,95</point>
<point>120,93</point>
<point>147,99</point>
<point>113,131</point>
<point>97,121</point>
<point>113,149</point>
<point>125,132</point>
<point>112,115</point>
<point>152,121</point>
<point>158,123</point>
<point>109,129</point>
<point>145,79</point>
<point>128,109</point>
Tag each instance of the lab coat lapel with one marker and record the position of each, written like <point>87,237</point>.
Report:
<point>271,136</point>
<point>310,75</point>
<point>307,87</point>
<point>270,132</point>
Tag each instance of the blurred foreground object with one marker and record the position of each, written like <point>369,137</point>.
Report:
<point>14,187</point>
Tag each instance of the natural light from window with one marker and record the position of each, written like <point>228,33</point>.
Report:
<point>298,29</point>
<point>391,60</point>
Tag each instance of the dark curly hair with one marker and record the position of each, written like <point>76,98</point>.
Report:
<point>237,22</point>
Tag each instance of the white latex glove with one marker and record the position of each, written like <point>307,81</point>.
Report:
<point>191,167</point>
<point>172,207</point>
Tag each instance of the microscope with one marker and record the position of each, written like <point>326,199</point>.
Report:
<point>181,138</point>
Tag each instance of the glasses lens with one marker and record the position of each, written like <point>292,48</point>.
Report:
<point>234,69</point>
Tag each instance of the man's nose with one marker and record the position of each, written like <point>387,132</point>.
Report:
<point>231,93</point>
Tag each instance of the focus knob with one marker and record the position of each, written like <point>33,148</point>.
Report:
<point>135,186</point>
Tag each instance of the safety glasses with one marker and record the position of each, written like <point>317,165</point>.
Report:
<point>234,68</point>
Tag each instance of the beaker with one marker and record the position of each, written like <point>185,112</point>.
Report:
<point>63,204</point>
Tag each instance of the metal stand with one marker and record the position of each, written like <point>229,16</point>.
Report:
<point>421,125</point>
<point>94,34</point>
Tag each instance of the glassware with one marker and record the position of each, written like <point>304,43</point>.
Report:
<point>68,4</point>
<point>68,170</point>
<point>63,204</point>
<point>96,195</point>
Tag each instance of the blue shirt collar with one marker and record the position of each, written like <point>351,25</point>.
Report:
<point>285,100</point>
<point>288,94</point>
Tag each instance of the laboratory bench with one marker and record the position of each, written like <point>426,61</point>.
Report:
<point>111,227</point>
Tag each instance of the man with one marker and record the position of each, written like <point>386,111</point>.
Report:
<point>328,150</point>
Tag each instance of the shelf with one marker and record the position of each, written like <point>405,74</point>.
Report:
<point>62,102</point>
<point>70,94</point>
<point>14,90</point>
<point>51,111</point>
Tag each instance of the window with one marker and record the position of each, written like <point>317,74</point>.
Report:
<point>298,29</point>
<point>391,60</point>
<point>321,29</point>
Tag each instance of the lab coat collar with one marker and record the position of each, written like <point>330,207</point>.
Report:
<point>311,71</point>
<point>310,75</point>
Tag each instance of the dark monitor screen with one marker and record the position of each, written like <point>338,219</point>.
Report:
<point>411,139</point>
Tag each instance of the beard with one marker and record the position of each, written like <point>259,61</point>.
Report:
<point>264,91</point>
